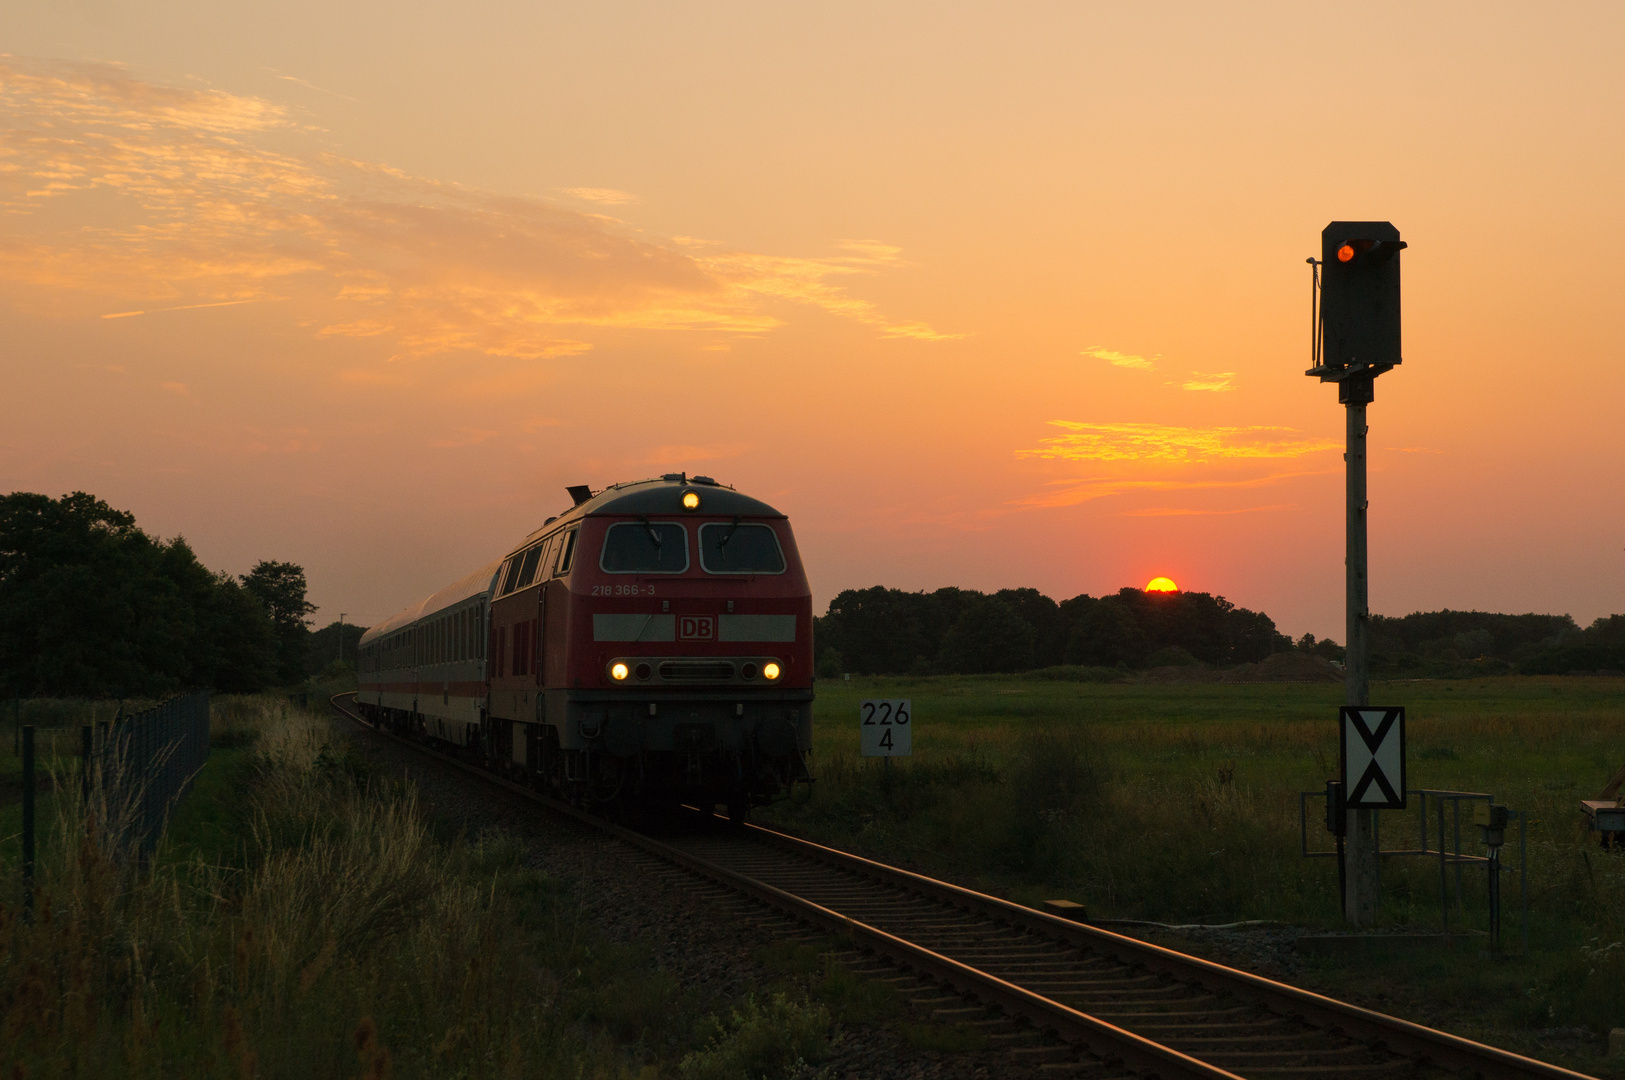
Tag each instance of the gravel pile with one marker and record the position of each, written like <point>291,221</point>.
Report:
<point>700,935</point>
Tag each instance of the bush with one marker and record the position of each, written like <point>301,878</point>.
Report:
<point>307,922</point>
<point>760,1042</point>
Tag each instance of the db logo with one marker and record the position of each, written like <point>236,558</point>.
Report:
<point>696,628</point>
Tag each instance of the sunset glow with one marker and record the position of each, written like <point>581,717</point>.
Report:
<point>1162,585</point>
<point>365,288</point>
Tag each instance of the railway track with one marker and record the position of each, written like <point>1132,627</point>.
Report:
<point>1068,997</point>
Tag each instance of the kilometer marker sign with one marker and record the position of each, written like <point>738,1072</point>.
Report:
<point>885,727</point>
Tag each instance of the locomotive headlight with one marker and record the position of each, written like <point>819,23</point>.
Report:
<point>691,500</point>
<point>770,670</point>
<point>619,672</point>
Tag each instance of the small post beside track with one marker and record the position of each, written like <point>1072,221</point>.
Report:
<point>28,820</point>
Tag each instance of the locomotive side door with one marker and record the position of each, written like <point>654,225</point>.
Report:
<point>544,574</point>
<point>544,579</point>
<point>556,604</point>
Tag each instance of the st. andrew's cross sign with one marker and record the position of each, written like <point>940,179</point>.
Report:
<point>1373,757</point>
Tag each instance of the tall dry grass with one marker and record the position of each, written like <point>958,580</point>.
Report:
<point>325,932</point>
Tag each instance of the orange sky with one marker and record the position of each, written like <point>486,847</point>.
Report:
<point>982,295</point>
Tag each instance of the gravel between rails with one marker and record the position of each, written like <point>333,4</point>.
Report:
<point>700,935</point>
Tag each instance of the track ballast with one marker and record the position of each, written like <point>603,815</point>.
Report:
<point>1112,1005</point>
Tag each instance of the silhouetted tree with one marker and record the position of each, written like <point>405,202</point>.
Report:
<point>1044,616</point>
<point>280,586</point>
<point>1108,635</point>
<point>331,643</point>
<point>988,636</point>
<point>244,639</point>
<point>91,605</point>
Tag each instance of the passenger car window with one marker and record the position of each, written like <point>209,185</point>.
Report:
<point>643,547</point>
<point>733,548</point>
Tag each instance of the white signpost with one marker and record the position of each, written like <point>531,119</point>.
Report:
<point>1373,757</point>
<point>885,729</point>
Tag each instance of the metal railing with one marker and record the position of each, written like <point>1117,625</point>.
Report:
<point>1446,848</point>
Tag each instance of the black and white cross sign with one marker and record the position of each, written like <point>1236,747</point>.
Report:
<point>1373,757</point>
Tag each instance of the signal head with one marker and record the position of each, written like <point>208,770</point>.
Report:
<point>1359,296</point>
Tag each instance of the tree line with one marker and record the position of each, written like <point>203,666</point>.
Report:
<point>1443,643</point>
<point>92,606</point>
<point>881,631</point>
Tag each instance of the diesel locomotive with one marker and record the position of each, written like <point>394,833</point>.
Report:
<point>648,647</point>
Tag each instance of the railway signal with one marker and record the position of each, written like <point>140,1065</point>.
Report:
<point>1355,337</point>
<point>1373,758</point>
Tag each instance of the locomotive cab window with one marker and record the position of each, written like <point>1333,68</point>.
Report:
<point>510,574</point>
<point>645,547</point>
<point>527,572</point>
<point>568,553</point>
<point>729,547</point>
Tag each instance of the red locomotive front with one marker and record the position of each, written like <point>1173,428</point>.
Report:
<point>654,645</point>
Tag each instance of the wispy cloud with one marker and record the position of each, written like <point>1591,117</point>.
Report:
<point>1167,443</point>
<point>1217,381</point>
<point>602,195</point>
<point>178,307</point>
<point>1186,511</point>
<point>677,454</point>
<point>463,437</point>
<point>1121,359</point>
<point>310,85</point>
<point>122,196</point>
<point>1072,492</point>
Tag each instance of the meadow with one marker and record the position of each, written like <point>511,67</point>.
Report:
<point>303,918</point>
<point>1180,804</point>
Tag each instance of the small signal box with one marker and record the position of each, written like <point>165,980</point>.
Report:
<point>1358,326</point>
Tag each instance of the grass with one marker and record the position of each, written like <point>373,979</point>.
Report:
<point>1180,804</point>
<point>302,918</point>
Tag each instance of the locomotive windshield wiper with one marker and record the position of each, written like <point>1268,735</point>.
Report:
<point>654,534</point>
<point>729,535</point>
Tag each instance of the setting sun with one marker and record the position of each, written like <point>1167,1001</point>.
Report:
<point>1161,584</point>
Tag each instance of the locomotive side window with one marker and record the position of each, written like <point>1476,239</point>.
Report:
<point>510,574</point>
<point>527,571</point>
<point>645,547</point>
<point>733,548</point>
<point>569,552</point>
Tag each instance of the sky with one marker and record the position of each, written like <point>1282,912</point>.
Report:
<point>985,295</point>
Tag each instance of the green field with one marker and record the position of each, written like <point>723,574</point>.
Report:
<point>1180,804</point>
<point>306,918</point>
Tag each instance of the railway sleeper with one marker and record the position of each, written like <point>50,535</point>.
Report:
<point>1220,1057</point>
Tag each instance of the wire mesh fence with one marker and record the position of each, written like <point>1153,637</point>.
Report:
<point>145,763</point>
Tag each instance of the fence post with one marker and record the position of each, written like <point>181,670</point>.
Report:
<point>28,819</point>
<point>85,752</point>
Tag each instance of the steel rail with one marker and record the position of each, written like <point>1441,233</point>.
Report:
<point>1400,1036</point>
<point>1416,1042</point>
<point>1106,1041</point>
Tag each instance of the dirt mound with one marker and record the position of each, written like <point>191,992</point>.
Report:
<point>1286,667</point>
<point>1184,673</point>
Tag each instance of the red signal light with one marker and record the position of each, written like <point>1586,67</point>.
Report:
<point>1345,253</point>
